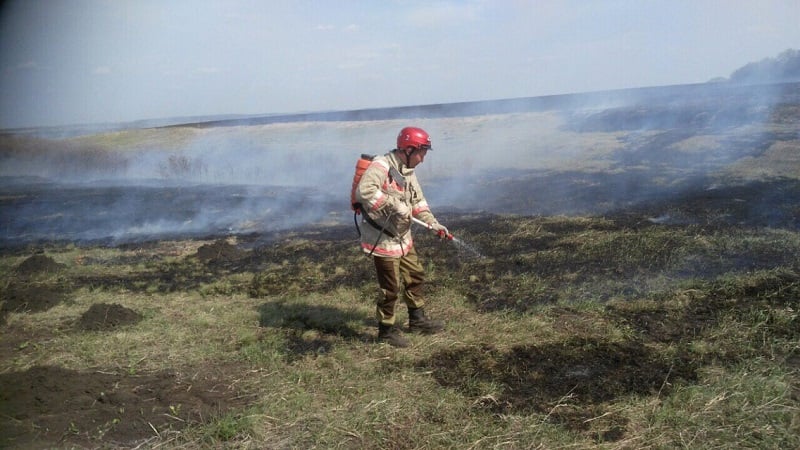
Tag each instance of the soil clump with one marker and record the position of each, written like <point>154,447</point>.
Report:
<point>105,317</point>
<point>32,297</point>
<point>48,406</point>
<point>38,264</point>
<point>221,251</point>
<point>29,291</point>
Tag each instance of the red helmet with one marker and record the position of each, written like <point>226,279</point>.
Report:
<point>413,137</point>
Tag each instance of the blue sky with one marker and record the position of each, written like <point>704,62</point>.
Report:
<point>95,61</point>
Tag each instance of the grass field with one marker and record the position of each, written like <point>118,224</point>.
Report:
<point>567,332</point>
<point>624,278</point>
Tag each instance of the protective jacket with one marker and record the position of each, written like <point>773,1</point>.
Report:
<point>389,192</point>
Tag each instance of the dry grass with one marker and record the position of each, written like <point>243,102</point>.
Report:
<point>553,342</point>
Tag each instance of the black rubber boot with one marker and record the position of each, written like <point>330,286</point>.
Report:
<point>419,323</point>
<point>391,335</point>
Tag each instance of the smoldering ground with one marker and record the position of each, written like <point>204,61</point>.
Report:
<point>590,154</point>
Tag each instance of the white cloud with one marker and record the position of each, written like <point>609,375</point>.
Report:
<point>358,58</point>
<point>328,27</point>
<point>352,65</point>
<point>101,70</point>
<point>445,14</point>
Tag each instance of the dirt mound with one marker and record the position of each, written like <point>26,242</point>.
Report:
<point>221,251</point>
<point>34,297</point>
<point>38,264</point>
<point>46,406</point>
<point>103,317</point>
<point>30,293</point>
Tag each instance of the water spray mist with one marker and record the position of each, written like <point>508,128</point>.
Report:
<point>449,236</point>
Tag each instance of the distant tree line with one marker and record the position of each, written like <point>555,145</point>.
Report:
<point>783,68</point>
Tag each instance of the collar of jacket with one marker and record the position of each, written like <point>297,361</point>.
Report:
<point>397,163</point>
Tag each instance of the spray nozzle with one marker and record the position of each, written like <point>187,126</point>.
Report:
<point>444,235</point>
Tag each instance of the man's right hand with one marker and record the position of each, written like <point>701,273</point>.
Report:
<point>440,229</point>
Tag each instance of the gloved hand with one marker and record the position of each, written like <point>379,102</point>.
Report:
<point>402,218</point>
<point>440,229</point>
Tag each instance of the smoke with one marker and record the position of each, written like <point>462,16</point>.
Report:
<point>573,154</point>
<point>144,184</point>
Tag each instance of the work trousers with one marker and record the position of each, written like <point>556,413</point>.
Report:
<point>395,275</point>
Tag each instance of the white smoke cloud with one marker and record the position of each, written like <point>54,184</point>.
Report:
<point>569,154</point>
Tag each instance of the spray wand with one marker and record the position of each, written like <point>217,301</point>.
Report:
<point>441,233</point>
<point>449,236</point>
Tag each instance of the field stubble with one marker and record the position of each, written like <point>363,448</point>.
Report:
<point>612,331</point>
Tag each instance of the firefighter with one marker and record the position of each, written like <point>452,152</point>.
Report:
<point>390,195</point>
